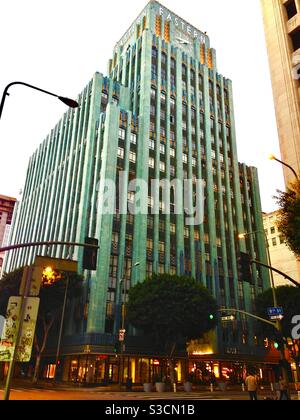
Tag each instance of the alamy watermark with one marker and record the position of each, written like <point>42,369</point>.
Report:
<point>158,197</point>
<point>296,329</point>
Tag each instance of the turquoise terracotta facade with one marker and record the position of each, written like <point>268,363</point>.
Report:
<point>163,101</point>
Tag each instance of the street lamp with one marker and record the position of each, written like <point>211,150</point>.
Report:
<point>122,331</point>
<point>272,157</point>
<point>67,101</point>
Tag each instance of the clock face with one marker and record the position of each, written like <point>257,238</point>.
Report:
<point>184,42</point>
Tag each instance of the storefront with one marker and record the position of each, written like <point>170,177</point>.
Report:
<point>104,369</point>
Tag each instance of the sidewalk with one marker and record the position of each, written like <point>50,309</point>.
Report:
<point>51,385</point>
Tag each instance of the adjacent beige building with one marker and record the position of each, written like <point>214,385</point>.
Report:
<point>282,28</point>
<point>7,205</point>
<point>282,257</point>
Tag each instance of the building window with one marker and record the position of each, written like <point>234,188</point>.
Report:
<point>150,244</point>
<point>291,9</point>
<point>161,247</point>
<point>172,152</point>
<point>132,157</point>
<point>122,134</point>
<point>151,162</point>
<point>150,202</point>
<point>184,158</point>
<point>131,197</point>
<point>162,149</point>
<point>272,230</point>
<point>274,241</point>
<point>295,36</point>
<point>162,166</point>
<point>151,145</point>
<point>281,239</point>
<point>120,153</point>
<point>133,138</point>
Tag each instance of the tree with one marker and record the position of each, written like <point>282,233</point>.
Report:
<point>289,216</point>
<point>289,299</point>
<point>51,300</point>
<point>171,310</point>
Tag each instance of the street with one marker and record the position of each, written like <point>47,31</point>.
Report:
<point>28,393</point>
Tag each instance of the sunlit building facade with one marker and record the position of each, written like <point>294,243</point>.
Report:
<point>7,205</point>
<point>282,29</point>
<point>164,112</point>
<point>282,258</point>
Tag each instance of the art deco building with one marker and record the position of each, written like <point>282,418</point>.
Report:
<point>163,112</point>
<point>282,28</point>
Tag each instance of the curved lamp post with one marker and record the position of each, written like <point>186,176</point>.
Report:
<point>272,157</point>
<point>67,101</point>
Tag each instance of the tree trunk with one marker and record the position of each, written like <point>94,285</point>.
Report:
<point>37,369</point>
<point>172,366</point>
<point>172,372</point>
<point>47,328</point>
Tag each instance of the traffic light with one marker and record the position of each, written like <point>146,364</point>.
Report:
<point>90,254</point>
<point>244,267</point>
<point>211,317</point>
<point>117,347</point>
<point>278,341</point>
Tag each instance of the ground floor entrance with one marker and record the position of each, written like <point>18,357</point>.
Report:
<point>107,369</point>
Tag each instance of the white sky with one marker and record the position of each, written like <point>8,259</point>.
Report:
<point>57,45</point>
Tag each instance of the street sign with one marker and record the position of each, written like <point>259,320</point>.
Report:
<point>275,314</point>
<point>9,335</point>
<point>35,281</point>
<point>228,318</point>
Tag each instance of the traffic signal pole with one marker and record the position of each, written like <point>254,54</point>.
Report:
<point>24,296</point>
<point>276,325</point>
<point>18,333</point>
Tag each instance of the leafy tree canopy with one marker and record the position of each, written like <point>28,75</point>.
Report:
<point>50,297</point>
<point>289,216</point>
<point>171,308</point>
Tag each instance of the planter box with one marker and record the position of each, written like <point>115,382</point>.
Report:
<point>160,387</point>
<point>148,387</point>
<point>188,387</point>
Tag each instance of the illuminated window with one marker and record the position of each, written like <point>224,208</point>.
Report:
<point>132,157</point>
<point>133,138</point>
<point>122,134</point>
<point>120,153</point>
<point>151,145</point>
<point>151,162</point>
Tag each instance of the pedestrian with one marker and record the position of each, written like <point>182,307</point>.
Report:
<point>252,385</point>
<point>284,389</point>
<point>129,384</point>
